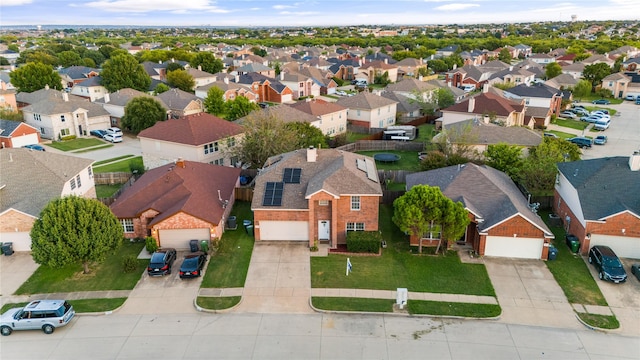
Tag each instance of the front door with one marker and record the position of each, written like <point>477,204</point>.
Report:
<point>323,230</point>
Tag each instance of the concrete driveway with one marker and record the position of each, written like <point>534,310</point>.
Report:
<point>528,293</point>
<point>14,271</point>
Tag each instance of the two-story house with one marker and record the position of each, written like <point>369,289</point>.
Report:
<point>369,111</point>
<point>330,118</point>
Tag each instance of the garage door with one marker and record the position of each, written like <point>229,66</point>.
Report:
<point>284,230</point>
<point>20,141</point>
<point>21,240</point>
<point>524,248</point>
<point>179,238</point>
<point>623,246</point>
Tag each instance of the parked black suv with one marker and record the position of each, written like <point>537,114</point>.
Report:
<point>607,263</point>
<point>582,142</point>
<point>161,262</point>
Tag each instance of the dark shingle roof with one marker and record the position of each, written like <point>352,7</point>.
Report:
<point>487,134</point>
<point>537,90</point>
<point>605,186</point>
<point>9,126</point>
<point>176,99</point>
<point>197,129</point>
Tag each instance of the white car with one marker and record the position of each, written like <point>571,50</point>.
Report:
<point>45,315</point>
<point>114,131</point>
<point>341,93</point>
<point>113,138</point>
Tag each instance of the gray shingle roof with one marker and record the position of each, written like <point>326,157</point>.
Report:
<point>605,186</point>
<point>365,100</point>
<point>59,106</point>
<point>485,191</point>
<point>176,99</point>
<point>9,126</point>
<point>487,134</point>
<point>44,94</point>
<point>33,178</point>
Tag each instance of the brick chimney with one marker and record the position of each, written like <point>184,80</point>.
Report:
<point>312,154</point>
<point>180,163</point>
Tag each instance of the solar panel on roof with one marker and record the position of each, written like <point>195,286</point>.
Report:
<point>361,165</point>
<point>273,194</point>
<point>292,175</point>
<point>371,170</point>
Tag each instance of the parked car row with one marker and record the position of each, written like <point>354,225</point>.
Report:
<point>112,134</point>
<point>162,261</point>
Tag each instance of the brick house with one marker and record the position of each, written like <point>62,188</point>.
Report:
<point>23,172</point>
<point>617,83</point>
<point>303,196</point>
<point>598,201</point>
<point>15,134</point>
<point>502,224</point>
<point>76,74</point>
<point>486,106</point>
<point>369,110</point>
<point>178,202</point>
<point>378,68</point>
<point>267,89</point>
<point>231,90</point>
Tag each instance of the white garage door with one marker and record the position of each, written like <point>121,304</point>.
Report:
<point>21,240</point>
<point>20,141</point>
<point>179,238</point>
<point>284,230</point>
<point>524,248</point>
<point>623,246</point>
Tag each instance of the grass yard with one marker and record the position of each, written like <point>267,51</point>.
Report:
<point>572,124</point>
<point>408,160</point>
<point>571,272</point>
<point>353,304</point>
<point>353,137</point>
<point>94,149</point>
<point>396,186</point>
<point>75,144</point>
<point>123,165</point>
<point>217,303</point>
<point>426,132</point>
<point>561,134</point>
<point>105,191</point>
<point>453,309</point>
<point>600,321</point>
<point>397,267</point>
<point>229,265</point>
<point>108,275</point>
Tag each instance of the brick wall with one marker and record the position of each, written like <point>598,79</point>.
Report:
<point>182,220</point>
<point>516,225</point>
<point>14,221</point>
<point>275,215</point>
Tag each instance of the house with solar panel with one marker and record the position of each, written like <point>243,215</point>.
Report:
<point>316,194</point>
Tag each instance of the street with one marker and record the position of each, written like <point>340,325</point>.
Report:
<point>314,336</point>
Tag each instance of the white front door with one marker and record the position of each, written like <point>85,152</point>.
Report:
<point>323,230</point>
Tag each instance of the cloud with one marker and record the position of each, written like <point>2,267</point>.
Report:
<point>282,7</point>
<point>15,2</point>
<point>455,7</point>
<point>143,6</point>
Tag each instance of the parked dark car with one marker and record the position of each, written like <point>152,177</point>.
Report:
<point>607,264</point>
<point>98,133</point>
<point>601,102</point>
<point>192,265</point>
<point>35,147</point>
<point>582,142</point>
<point>161,262</point>
<point>635,270</point>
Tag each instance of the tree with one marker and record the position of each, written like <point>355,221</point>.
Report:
<point>74,229</point>
<point>382,79</point>
<point>69,58</point>
<point>214,102</point>
<point>181,79</point>
<point>425,210</point>
<point>172,66</point>
<point>35,76</point>
<point>538,171</point>
<point>258,51</point>
<point>207,62</point>
<point>142,112</point>
<point>307,134</point>
<point>437,65</point>
<point>239,107</point>
<point>123,71</point>
<point>504,157</point>
<point>595,73</point>
<point>505,56</point>
<point>160,88</point>
<point>3,61</point>
<point>552,70</point>
<point>582,89</point>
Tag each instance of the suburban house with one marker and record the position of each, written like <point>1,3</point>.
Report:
<point>537,95</point>
<point>598,200</point>
<point>542,59</point>
<point>562,82</point>
<point>301,85</point>
<point>345,69</point>
<point>377,68</point>
<point>474,75</point>
<point>478,135</point>
<point>8,100</point>
<point>330,118</point>
<point>410,67</point>
<point>180,103</point>
<point>199,137</point>
<point>76,74</point>
<point>617,83</point>
<point>574,70</point>
<point>515,76</point>
<point>413,88</point>
<point>45,94</point>
<point>15,134</point>
<point>178,202</point>
<point>304,195</point>
<point>369,111</point>
<point>90,88</point>
<point>231,90</point>
<point>23,172</point>
<point>407,108</point>
<point>323,78</point>
<point>487,106</point>
<point>201,78</point>
<point>502,223</point>
<point>267,89</point>
<point>115,103</point>
<point>256,67</point>
<point>62,116</point>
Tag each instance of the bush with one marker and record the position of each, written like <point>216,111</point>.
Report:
<point>130,263</point>
<point>68,137</point>
<point>136,168</point>
<point>151,244</point>
<point>364,241</point>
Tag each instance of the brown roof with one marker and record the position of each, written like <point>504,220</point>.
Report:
<point>171,189</point>
<point>317,107</point>
<point>365,100</point>
<point>196,129</point>
<point>487,103</point>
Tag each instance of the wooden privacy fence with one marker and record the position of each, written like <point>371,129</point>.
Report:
<point>107,181</point>
<point>383,145</point>
<point>111,178</point>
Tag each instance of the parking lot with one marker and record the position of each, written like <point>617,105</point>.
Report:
<point>623,134</point>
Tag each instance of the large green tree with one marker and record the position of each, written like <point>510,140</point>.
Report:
<point>74,230</point>
<point>123,71</point>
<point>596,72</point>
<point>425,210</point>
<point>239,107</point>
<point>207,62</point>
<point>552,70</point>
<point>308,135</point>
<point>504,157</point>
<point>181,79</point>
<point>582,89</point>
<point>142,112</point>
<point>69,58</point>
<point>35,76</point>
<point>214,102</point>
<point>505,56</point>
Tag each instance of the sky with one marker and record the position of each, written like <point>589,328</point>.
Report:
<point>247,13</point>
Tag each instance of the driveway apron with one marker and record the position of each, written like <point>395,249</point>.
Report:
<point>278,280</point>
<point>528,294</point>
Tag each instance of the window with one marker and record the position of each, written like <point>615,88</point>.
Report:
<point>41,130</point>
<point>127,225</point>
<point>355,203</point>
<point>218,162</point>
<point>90,171</point>
<point>378,111</point>
<point>231,142</point>
<point>78,181</point>
<point>209,148</point>
<point>215,146</point>
<point>358,112</point>
<point>323,202</point>
<point>73,183</point>
<point>64,132</point>
<point>37,117</point>
<point>62,118</point>
<point>355,226</point>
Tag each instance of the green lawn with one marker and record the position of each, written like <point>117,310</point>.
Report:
<point>397,267</point>
<point>353,137</point>
<point>453,309</point>
<point>94,149</point>
<point>229,265</point>
<point>217,303</point>
<point>82,306</point>
<point>75,144</point>
<point>600,321</point>
<point>108,275</point>
<point>98,163</point>
<point>572,124</point>
<point>408,160</point>
<point>395,186</point>
<point>561,134</point>
<point>353,304</point>
<point>571,272</point>
<point>124,165</point>
<point>105,191</point>
<point>426,132</point>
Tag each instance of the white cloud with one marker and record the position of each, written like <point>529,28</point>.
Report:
<point>455,7</point>
<point>15,2</point>
<point>153,5</point>
<point>282,7</point>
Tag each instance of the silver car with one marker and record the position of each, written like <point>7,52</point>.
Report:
<point>45,315</point>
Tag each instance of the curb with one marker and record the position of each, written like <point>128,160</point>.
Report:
<point>215,311</point>
<point>595,328</point>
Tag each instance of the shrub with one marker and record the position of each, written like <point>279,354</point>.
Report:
<point>364,241</point>
<point>151,244</point>
<point>68,137</point>
<point>130,263</point>
<point>136,168</point>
